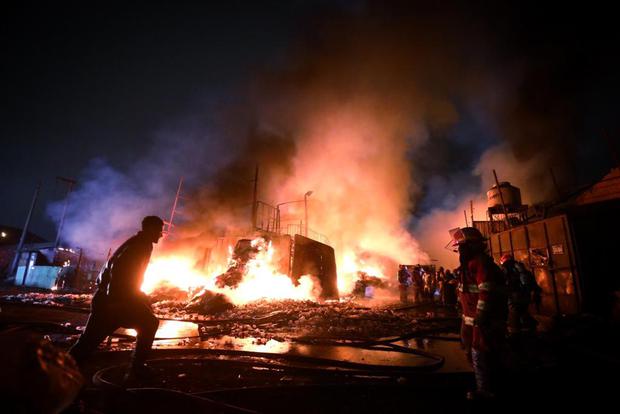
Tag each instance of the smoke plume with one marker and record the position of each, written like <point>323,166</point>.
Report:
<point>393,116</point>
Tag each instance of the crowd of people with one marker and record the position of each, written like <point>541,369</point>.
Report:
<point>428,284</point>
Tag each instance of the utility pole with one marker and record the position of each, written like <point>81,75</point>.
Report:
<point>471,209</point>
<point>174,207</point>
<point>70,183</point>
<point>22,239</point>
<point>465,215</point>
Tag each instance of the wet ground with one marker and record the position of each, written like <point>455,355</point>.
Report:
<point>266,358</point>
<point>193,335</point>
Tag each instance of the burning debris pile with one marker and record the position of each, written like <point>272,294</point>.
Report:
<point>207,302</point>
<point>244,255</point>
<point>282,320</point>
<point>254,270</point>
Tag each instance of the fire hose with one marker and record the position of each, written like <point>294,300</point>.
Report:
<point>331,371</point>
<point>287,363</point>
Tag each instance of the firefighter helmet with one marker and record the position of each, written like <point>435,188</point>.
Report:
<point>505,257</point>
<point>466,235</point>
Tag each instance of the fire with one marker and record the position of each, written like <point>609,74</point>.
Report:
<point>176,271</point>
<point>353,160</point>
<point>351,265</point>
<point>261,278</point>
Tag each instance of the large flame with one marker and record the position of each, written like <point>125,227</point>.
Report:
<point>261,279</point>
<point>349,181</point>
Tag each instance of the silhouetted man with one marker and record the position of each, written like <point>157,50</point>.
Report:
<point>119,302</point>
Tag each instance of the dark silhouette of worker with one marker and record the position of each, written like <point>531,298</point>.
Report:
<point>118,301</point>
<point>483,301</point>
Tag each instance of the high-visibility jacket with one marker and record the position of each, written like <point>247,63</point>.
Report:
<point>483,298</point>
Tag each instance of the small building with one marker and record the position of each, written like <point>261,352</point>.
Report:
<point>43,265</point>
<point>9,238</point>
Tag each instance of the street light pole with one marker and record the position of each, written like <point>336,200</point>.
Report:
<point>70,182</point>
<point>308,194</point>
<point>305,201</point>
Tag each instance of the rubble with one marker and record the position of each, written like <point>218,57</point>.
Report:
<point>307,320</point>
<point>280,320</point>
<point>167,292</point>
<point>231,278</point>
<point>51,299</point>
<point>208,302</point>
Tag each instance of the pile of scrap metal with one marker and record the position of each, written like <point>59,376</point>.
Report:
<point>244,251</point>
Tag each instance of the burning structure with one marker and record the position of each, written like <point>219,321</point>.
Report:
<point>272,262</point>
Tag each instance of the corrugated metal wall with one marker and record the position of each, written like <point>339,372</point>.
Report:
<point>545,247</point>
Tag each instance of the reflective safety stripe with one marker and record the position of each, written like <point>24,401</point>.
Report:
<point>484,286</point>
<point>468,320</point>
<point>481,305</point>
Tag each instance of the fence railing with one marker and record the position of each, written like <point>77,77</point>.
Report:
<point>267,219</point>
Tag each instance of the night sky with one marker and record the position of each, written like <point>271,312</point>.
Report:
<point>84,81</point>
<point>95,81</point>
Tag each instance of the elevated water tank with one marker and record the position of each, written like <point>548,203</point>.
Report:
<point>511,195</point>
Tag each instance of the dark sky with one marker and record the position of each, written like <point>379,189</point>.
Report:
<point>93,80</point>
<point>84,81</point>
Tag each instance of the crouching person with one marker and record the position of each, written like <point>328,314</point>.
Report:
<point>119,302</point>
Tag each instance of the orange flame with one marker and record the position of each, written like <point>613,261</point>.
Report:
<point>262,280</point>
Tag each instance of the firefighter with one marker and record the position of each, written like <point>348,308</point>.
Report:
<point>404,281</point>
<point>483,300</point>
<point>119,302</point>
<point>417,284</point>
<point>522,288</point>
<point>440,279</point>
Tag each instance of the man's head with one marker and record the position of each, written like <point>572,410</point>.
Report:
<point>469,242</point>
<point>152,227</point>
